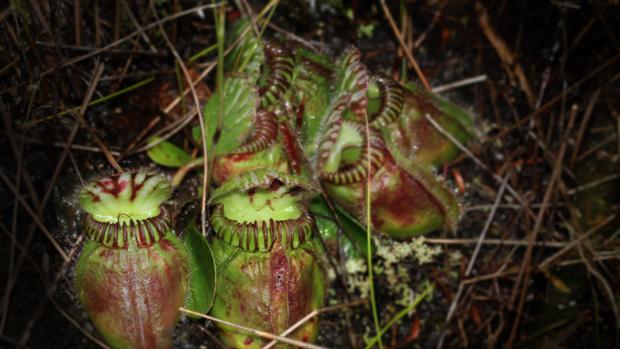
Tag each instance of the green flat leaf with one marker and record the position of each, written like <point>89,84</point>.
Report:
<point>203,273</point>
<point>353,241</point>
<point>167,154</point>
<point>311,88</point>
<point>248,56</point>
<point>240,103</point>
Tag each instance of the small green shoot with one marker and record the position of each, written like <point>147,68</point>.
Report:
<point>427,291</point>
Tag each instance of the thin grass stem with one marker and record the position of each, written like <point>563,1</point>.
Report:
<point>427,291</point>
<point>373,301</point>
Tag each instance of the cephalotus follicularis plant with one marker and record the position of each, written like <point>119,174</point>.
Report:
<point>293,123</point>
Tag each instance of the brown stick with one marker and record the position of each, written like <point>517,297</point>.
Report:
<point>203,126</point>
<point>408,53</point>
<point>525,270</point>
<point>80,118</point>
<point>33,216</point>
<point>504,53</point>
<point>253,331</point>
<point>310,316</point>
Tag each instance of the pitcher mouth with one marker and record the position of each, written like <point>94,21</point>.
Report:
<point>120,235</point>
<point>261,235</point>
<point>259,209</point>
<point>341,169</point>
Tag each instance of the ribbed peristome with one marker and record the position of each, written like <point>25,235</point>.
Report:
<point>260,235</point>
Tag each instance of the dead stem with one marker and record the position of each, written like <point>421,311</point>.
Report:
<point>545,107</point>
<point>255,332</point>
<point>479,162</point>
<point>45,282</point>
<point>23,340</point>
<point>573,243</point>
<point>481,238</point>
<point>406,49</point>
<point>583,126</point>
<point>460,83</point>
<point>523,277</point>
<point>311,315</point>
<point>607,291</point>
<point>203,127</point>
<point>80,118</point>
<point>33,215</point>
<point>131,36</point>
<point>502,242</point>
<point>512,66</point>
<point>436,16</point>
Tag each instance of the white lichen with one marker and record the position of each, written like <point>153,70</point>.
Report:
<point>393,263</point>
